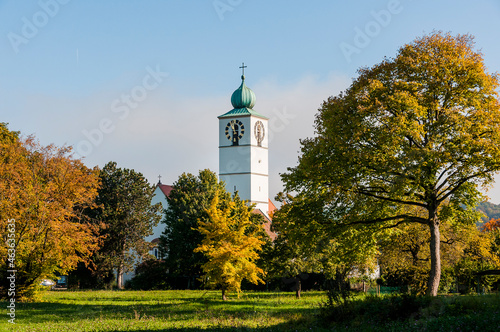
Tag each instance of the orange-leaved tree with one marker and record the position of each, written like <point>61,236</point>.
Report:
<point>231,244</point>
<point>42,192</point>
<point>492,229</point>
<point>492,225</point>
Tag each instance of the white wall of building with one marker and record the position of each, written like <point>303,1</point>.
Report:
<point>159,197</point>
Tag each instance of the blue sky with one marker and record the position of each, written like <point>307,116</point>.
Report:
<point>67,67</point>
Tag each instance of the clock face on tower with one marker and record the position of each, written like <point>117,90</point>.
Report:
<point>235,131</point>
<point>259,132</point>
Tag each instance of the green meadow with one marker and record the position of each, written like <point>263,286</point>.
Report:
<point>165,311</point>
<point>253,311</point>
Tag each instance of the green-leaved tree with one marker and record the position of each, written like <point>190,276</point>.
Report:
<point>188,202</point>
<point>417,130</point>
<point>124,201</point>
<point>307,242</point>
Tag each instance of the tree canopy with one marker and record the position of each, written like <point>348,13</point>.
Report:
<point>307,242</point>
<point>188,202</point>
<point>43,189</point>
<point>124,206</point>
<point>418,131</point>
<point>231,244</point>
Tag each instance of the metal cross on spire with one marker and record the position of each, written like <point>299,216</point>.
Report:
<point>159,178</point>
<point>243,68</point>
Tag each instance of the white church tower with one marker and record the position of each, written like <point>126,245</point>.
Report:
<point>243,149</point>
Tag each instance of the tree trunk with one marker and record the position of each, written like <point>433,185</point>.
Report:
<point>224,298</point>
<point>298,287</point>
<point>121,267</point>
<point>119,277</point>
<point>435,247</point>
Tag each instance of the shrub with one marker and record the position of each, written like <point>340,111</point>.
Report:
<point>338,306</point>
<point>150,274</point>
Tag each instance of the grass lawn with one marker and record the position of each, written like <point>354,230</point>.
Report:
<point>253,311</point>
<point>166,311</point>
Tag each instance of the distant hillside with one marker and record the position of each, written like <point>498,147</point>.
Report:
<point>490,210</point>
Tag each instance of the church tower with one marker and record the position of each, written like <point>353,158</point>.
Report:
<point>243,149</point>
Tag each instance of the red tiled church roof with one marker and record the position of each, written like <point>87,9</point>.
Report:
<point>268,219</point>
<point>166,189</point>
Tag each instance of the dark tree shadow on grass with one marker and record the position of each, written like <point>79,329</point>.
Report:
<point>186,310</point>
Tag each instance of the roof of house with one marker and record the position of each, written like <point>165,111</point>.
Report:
<point>268,219</point>
<point>165,188</point>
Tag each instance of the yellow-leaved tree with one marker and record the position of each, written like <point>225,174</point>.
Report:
<point>231,244</point>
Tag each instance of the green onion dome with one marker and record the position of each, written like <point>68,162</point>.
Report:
<point>243,97</point>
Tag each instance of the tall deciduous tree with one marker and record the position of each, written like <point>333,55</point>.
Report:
<point>188,202</point>
<point>125,208</point>
<point>231,244</point>
<point>417,130</point>
<point>43,190</point>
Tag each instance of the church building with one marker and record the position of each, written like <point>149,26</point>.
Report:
<point>243,150</point>
<point>243,159</point>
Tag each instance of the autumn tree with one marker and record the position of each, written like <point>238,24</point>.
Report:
<point>492,229</point>
<point>43,190</point>
<point>231,243</point>
<point>491,226</point>
<point>124,206</point>
<point>188,202</point>
<point>416,130</point>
